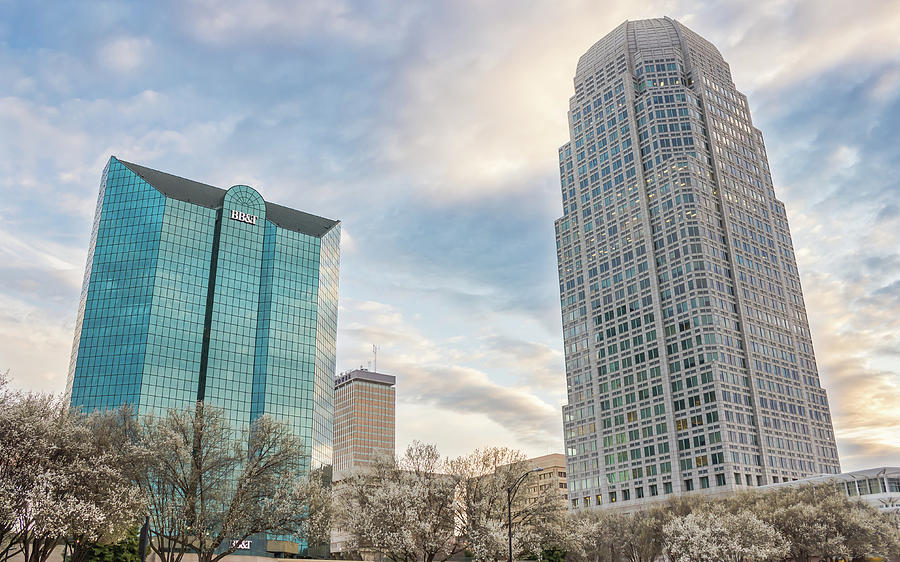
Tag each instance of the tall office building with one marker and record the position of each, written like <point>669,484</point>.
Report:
<point>689,363</point>
<point>364,419</point>
<point>192,293</point>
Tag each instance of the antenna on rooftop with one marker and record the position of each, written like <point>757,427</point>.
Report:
<point>374,358</point>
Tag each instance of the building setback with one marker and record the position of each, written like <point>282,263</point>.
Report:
<point>193,293</point>
<point>689,363</point>
<point>364,419</point>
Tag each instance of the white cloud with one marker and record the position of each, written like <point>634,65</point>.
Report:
<point>777,44</point>
<point>35,345</point>
<point>458,434</point>
<point>442,376</point>
<point>538,366</point>
<point>482,96</point>
<point>236,22</point>
<point>849,326</point>
<point>485,96</point>
<point>845,157</point>
<point>125,54</point>
<point>887,87</point>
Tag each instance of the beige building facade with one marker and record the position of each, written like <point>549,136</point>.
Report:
<point>552,476</point>
<point>364,419</point>
<point>364,428</point>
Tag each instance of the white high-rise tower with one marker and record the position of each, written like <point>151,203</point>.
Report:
<point>689,363</point>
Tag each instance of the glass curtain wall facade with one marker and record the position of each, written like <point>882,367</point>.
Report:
<point>192,293</point>
<point>689,362</point>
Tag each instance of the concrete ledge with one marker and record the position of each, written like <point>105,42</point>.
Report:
<point>287,547</point>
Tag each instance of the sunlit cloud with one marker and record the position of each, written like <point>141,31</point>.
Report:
<point>437,375</point>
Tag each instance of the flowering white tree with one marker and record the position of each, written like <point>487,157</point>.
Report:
<point>58,484</point>
<point>402,509</point>
<point>821,521</point>
<point>210,489</point>
<point>696,536</point>
<point>718,535</point>
<point>483,517</point>
<point>316,526</point>
<point>796,523</point>
<point>606,536</point>
<point>871,534</point>
<point>376,511</point>
<point>421,508</point>
<point>595,536</point>
<point>641,534</point>
<point>9,484</point>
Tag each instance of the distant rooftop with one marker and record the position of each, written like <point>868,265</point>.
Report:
<point>547,461</point>
<point>879,486</point>
<point>211,197</point>
<point>878,472</point>
<point>364,375</point>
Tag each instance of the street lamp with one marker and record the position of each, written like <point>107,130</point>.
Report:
<point>510,494</point>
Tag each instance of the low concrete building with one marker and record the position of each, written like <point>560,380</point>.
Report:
<point>552,476</point>
<point>879,487</point>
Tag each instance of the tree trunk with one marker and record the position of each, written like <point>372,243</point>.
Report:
<point>80,553</point>
<point>41,550</point>
<point>211,556</point>
<point>166,550</point>
<point>12,546</point>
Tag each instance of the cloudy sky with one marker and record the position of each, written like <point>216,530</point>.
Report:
<point>431,130</point>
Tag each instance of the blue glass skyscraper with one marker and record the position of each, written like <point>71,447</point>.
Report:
<point>192,293</point>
